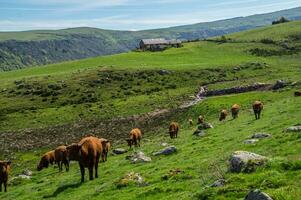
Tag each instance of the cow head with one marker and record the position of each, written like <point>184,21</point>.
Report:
<point>5,166</point>
<point>130,142</point>
<point>44,163</point>
<point>73,151</point>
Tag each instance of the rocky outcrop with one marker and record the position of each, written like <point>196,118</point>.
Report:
<point>260,135</point>
<point>119,151</point>
<point>129,178</point>
<point>295,129</point>
<point>251,141</point>
<point>138,157</point>
<point>257,195</point>
<point>243,161</point>
<point>166,151</point>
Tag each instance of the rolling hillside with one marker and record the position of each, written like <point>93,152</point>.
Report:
<point>32,48</point>
<point>46,106</point>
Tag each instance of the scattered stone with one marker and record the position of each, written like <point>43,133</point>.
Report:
<point>251,141</point>
<point>218,183</point>
<point>27,172</point>
<point>205,126</point>
<point>260,135</point>
<point>243,161</point>
<point>257,195</point>
<point>279,84</point>
<point>166,151</point>
<point>294,129</point>
<point>129,178</point>
<point>138,157</point>
<point>199,133</point>
<point>164,72</point>
<point>119,151</point>
<point>164,144</point>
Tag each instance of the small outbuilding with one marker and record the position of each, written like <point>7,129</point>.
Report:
<point>158,44</point>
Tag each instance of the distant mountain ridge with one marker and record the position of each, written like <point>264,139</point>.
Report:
<point>31,48</point>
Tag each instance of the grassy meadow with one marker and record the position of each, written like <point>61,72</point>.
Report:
<point>139,82</point>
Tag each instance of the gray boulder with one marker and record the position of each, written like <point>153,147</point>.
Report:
<point>257,195</point>
<point>260,135</point>
<point>27,172</point>
<point>294,129</point>
<point>279,84</point>
<point>251,141</point>
<point>138,157</point>
<point>119,151</point>
<point>244,161</point>
<point>166,151</point>
<point>199,133</point>
<point>218,183</point>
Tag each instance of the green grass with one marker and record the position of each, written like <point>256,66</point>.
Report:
<point>129,84</point>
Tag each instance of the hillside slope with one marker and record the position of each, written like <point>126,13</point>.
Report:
<point>32,48</point>
<point>107,96</point>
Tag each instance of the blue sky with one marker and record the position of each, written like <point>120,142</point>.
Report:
<point>127,14</point>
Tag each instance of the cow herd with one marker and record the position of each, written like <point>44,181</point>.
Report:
<point>90,150</point>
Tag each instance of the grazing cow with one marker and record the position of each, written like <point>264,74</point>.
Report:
<point>173,129</point>
<point>105,150</point>
<point>135,137</point>
<point>4,172</point>
<point>257,108</point>
<point>61,157</point>
<point>190,121</point>
<point>223,115</point>
<point>235,110</point>
<point>297,94</point>
<point>87,152</point>
<point>47,158</point>
<point>201,119</point>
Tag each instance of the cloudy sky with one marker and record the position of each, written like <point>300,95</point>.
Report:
<point>127,14</point>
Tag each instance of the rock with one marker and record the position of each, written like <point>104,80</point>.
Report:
<point>294,129</point>
<point>119,151</point>
<point>27,172</point>
<point>218,183</point>
<point>257,195</point>
<point>199,133</point>
<point>205,125</point>
<point>164,72</point>
<point>279,84</point>
<point>166,151</point>
<point>164,144</point>
<point>138,157</point>
<point>251,141</point>
<point>243,161</point>
<point>129,178</point>
<point>260,135</point>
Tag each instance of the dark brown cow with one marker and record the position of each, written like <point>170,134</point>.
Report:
<point>61,157</point>
<point>87,152</point>
<point>47,158</point>
<point>4,172</point>
<point>135,137</point>
<point>223,115</point>
<point>297,94</point>
<point>106,150</point>
<point>173,129</point>
<point>257,108</point>
<point>235,110</point>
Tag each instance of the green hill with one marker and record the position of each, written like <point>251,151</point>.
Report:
<point>32,48</point>
<point>46,106</point>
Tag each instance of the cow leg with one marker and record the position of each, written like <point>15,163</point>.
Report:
<point>5,186</point>
<point>0,186</point>
<point>139,142</point>
<point>259,112</point>
<point>91,166</point>
<point>67,165</point>
<point>82,171</point>
<point>96,168</point>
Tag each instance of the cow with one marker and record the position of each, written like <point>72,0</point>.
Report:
<point>60,155</point>
<point>190,121</point>
<point>201,119</point>
<point>257,108</point>
<point>105,150</point>
<point>87,152</point>
<point>173,130</point>
<point>223,115</point>
<point>297,94</point>
<point>135,137</point>
<point>47,158</point>
<point>4,172</point>
<point>235,110</point>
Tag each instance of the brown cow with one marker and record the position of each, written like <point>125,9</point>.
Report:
<point>47,158</point>
<point>87,152</point>
<point>105,151</point>
<point>223,115</point>
<point>4,172</point>
<point>173,129</point>
<point>201,119</point>
<point>257,108</point>
<point>61,157</point>
<point>235,110</point>
<point>135,137</point>
<point>297,94</point>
